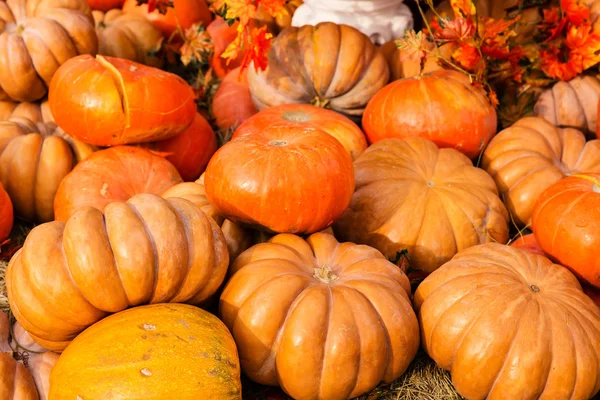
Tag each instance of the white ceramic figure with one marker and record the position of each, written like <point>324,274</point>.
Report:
<point>381,20</point>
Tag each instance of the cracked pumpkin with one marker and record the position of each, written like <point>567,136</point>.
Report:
<point>109,101</point>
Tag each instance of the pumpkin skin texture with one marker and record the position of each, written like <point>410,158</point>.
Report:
<point>292,180</point>
<point>114,174</point>
<point>110,101</point>
<point>128,36</point>
<point>441,106</point>
<point>412,196</point>
<point>105,5</point>
<point>531,155</point>
<point>566,223</point>
<point>16,383</point>
<point>306,65</point>
<point>147,250</point>
<point>311,316</point>
<point>232,103</point>
<point>34,158</point>
<point>510,324</point>
<point>293,116</point>
<point>529,243</point>
<point>33,111</point>
<point>6,214</point>
<point>36,37</point>
<point>161,351</point>
<point>40,366</point>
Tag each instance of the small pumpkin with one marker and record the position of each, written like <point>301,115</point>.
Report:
<point>572,104</point>
<point>129,36</point>
<point>16,383</point>
<point>114,174</point>
<point>40,366</point>
<point>105,5</point>
<point>295,180</point>
<point>321,319</point>
<point>309,64</point>
<point>232,103</point>
<point>529,156</point>
<point>400,69</point>
<point>566,223</point>
<point>160,351</point>
<point>147,250</point>
<point>441,106</point>
<point>510,324</point>
<point>35,112</point>
<point>34,158</point>
<point>307,117</point>
<point>528,242</point>
<point>108,101</point>
<point>222,34</point>
<point>36,37</point>
<point>6,214</point>
<point>433,202</point>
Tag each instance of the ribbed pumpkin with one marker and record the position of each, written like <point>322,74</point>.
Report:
<point>34,158</point>
<point>412,196</point>
<point>35,112</point>
<point>147,250</point>
<point>328,65</point>
<point>322,319</point>
<point>16,383</point>
<point>528,157</point>
<point>36,37</point>
<point>114,174</point>
<point>128,36</point>
<point>232,103</point>
<point>510,324</point>
<point>155,352</point>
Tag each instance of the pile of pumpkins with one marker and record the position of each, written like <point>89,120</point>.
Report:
<point>291,231</point>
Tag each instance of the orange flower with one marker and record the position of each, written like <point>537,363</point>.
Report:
<point>259,42</point>
<point>463,8</point>
<point>576,12</point>
<point>584,44</point>
<point>467,56</point>
<point>414,46</point>
<point>554,66</point>
<point>552,23</point>
<point>197,45</point>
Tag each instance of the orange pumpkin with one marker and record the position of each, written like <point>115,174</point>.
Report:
<point>529,243</point>
<point>222,35</point>
<point>566,223</point>
<point>532,154</point>
<point>105,5</point>
<point>16,383</point>
<point>184,13</point>
<point>232,103</point>
<point>6,214</point>
<point>297,179</point>
<point>147,250</point>
<point>322,319</point>
<point>441,106</point>
<point>510,324</point>
<point>114,174</point>
<point>35,112</point>
<point>307,117</point>
<point>109,101</point>
<point>433,202</point>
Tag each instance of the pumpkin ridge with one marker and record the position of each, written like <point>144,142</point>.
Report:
<point>355,382</point>
<point>560,220</point>
<point>117,78</point>
<point>575,311</point>
<point>293,33</point>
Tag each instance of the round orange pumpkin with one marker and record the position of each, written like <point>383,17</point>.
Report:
<point>295,180</point>
<point>147,250</point>
<point>566,223</point>
<point>222,35</point>
<point>441,106</point>
<point>36,37</point>
<point>322,319</point>
<point>184,13</point>
<point>109,101</point>
<point>510,324</point>
<point>114,174</point>
<point>105,5</point>
<point>529,243</point>
<point>532,154</point>
<point>412,196</point>
<point>307,117</point>
<point>161,351</point>
<point>232,103</point>
<point>328,65</point>
<point>35,112</point>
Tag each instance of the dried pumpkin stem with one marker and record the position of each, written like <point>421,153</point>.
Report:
<point>596,182</point>
<point>320,102</point>
<point>325,274</point>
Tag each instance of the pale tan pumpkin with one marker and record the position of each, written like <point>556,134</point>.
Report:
<point>16,383</point>
<point>40,366</point>
<point>412,196</point>
<point>531,155</point>
<point>35,112</point>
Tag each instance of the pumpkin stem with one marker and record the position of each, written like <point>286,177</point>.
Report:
<point>596,182</point>
<point>319,102</point>
<point>325,274</point>
<point>534,288</point>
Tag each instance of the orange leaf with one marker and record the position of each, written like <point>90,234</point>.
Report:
<point>414,46</point>
<point>576,12</point>
<point>467,56</point>
<point>463,8</point>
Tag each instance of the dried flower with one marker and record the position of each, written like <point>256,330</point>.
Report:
<point>414,46</point>
<point>197,45</point>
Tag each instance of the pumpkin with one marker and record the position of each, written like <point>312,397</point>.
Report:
<point>32,111</point>
<point>310,64</point>
<point>21,341</point>
<point>400,69</point>
<point>282,20</point>
<point>307,117</point>
<point>528,242</point>
<point>184,13</point>
<point>440,106</point>
<point>36,37</point>
<point>40,367</point>
<point>510,324</point>
<point>128,36</point>
<point>34,158</point>
<point>147,250</point>
<point>412,196</point>
<point>293,180</point>
<point>4,333</point>
<point>529,156</point>
<point>322,319</point>
<point>105,5</point>
<point>232,103</point>
<point>114,174</point>
<point>6,214</point>
<point>160,351</point>
<point>572,104</point>
<point>222,34</point>
<point>566,223</point>
<point>16,383</point>
<point>109,101</point>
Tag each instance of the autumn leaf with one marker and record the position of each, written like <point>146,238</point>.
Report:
<point>414,46</point>
<point>456,30</point>
<point>576,12</point>
<point>467,56</point>
<point>161,5</point>
<point>197,45</point>
<point>244,10</point>
<point>259,43</point>
<point>463,8</point>
<point>552,23</point>
<point>274,8</point>
<point>493,28</point>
